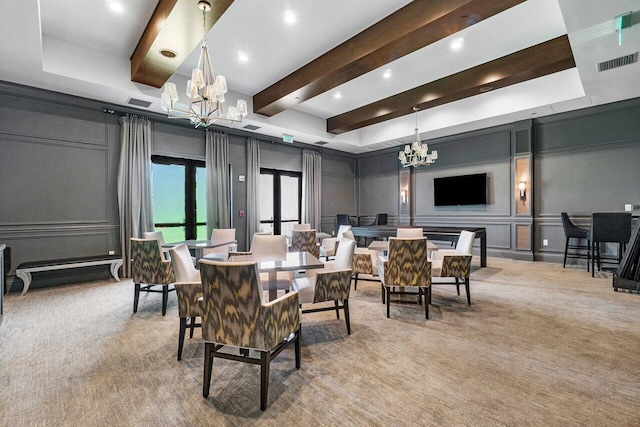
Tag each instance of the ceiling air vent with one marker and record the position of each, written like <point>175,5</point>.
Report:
<point>138,102</point>
<point>321,143</point>
<point>251,127</point>
<point>618,62</point>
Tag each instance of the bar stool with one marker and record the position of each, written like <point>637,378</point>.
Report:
<point>608,228</point>
<point>571,231</point>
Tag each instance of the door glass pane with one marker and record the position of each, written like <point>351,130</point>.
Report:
<point>287,227</point>
<point>290,199</point>
<point>173,234</point>
<point>266,197</point>
<point>267,228</point>
<point>169,198</point>
<point>201,204</point>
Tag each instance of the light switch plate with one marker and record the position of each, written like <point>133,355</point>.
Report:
<point>628,208</point>
<point>241,178</point>
<point>545,242</point>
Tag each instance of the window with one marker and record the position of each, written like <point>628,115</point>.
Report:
<point>179,198</point>
<point>280,200</point>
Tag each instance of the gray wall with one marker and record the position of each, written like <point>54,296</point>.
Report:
<point>583,162</point>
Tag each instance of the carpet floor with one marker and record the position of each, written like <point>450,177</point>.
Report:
<point>540,345</point>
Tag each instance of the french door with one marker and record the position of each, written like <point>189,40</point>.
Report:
<point>280,200</point>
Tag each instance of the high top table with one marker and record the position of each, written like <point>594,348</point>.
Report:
<point>436,233</point>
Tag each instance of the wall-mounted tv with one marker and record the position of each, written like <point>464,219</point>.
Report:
<point>460,190</point>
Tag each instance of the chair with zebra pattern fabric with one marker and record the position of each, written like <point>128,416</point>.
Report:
<point>236,315</point>
<point>407,267</point>
<point>453,266</point>
<point>148,269</point>
<point>304,241</point>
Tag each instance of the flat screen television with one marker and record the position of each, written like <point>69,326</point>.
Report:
<point>460,190</point>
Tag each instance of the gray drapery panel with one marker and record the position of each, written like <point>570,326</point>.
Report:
<point>217,178</point>
<point>134,184</point>
<point>311,188</point>
<point>253,188</point>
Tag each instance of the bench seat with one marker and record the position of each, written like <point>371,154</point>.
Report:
<point>24,270</point>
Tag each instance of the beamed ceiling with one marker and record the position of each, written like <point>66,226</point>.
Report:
<point>320,78</point>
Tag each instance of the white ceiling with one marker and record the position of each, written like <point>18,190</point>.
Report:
<point>82,47</point>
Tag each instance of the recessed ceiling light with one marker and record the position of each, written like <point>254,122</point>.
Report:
<point>116,6</point>
<point>168,53</point>
<point>243,57</point>
<point>457,44</point>
<point>337,95</point>
<point>290,17</point>
<point>387,74</point>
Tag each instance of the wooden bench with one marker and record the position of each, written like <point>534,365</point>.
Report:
<point>25,269</point>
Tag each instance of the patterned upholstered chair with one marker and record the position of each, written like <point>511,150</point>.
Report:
<point>236,315</point>
<point>302,227</point>
<point>267,245</point>
<point>157,235</point>
<point>328,247</point>
<point>407,266</point>
<point>221,235</point>
<point>332,283</point>
<point>365,261</point>
<point>148,269</point>
<point>189,291</point>
<point>304,241</point>
<point>452,266</point>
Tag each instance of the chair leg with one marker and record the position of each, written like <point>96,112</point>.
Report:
<point>192,327</point>
<point>458,286</point>
<point>208,367</point>
<point>136,297</point>
<point>165,297</point>
<point>337,309</point>
<point>388,291</point>
<point>183,327</point>
<point>345,303</point>
<point>427,300</point>
<point>466,287</point>
<point>297,347</point>
<point>383,292</point>
<point>355,285</point>
<point>566,248</point>
<point>593,259</point>
<point>264,378</point>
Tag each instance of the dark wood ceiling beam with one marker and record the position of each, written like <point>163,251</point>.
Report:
<point>412,27</point>
<point>175,25</point>
<point>537,61</point>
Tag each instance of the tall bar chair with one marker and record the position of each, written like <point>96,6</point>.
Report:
<point>608,227</point>
<point>571,231</point>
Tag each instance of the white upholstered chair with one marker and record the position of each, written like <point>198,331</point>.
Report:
<point>451,266</point>
<point>408,233</point>
<point>332,283</point>
<point>328,247</point>
<point>189,291</point>
<point>268,245</point>
<point>221,235</point>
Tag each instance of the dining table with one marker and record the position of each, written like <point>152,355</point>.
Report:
<point>272,264</point>
<point>197,247</point>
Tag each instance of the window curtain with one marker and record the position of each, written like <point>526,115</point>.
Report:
<point>253,188</point>
<point>311,188</point>
<point>134,184</point>
<point>217,178</point>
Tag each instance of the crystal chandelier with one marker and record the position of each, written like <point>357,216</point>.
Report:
<point>205,90</point>
<point>417,153</point>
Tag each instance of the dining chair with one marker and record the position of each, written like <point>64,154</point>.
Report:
<point>571,231</point>
<point>407,267</point>
<point>221,235</point>
<point>149,269</point>
<point>608,227</point>
<point>328,245</point>
<point>302,226</point>
<point>304,241</point>
<point>332,283</point>
<point>189,292</point>
<point>451,266</point>
<point>343,219</point>
<point>236,315</point>
<point>404,233</point>
<point>272,246</point>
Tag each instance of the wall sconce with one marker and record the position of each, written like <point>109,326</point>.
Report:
<point>523,190</point>
<point>403,197</point>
